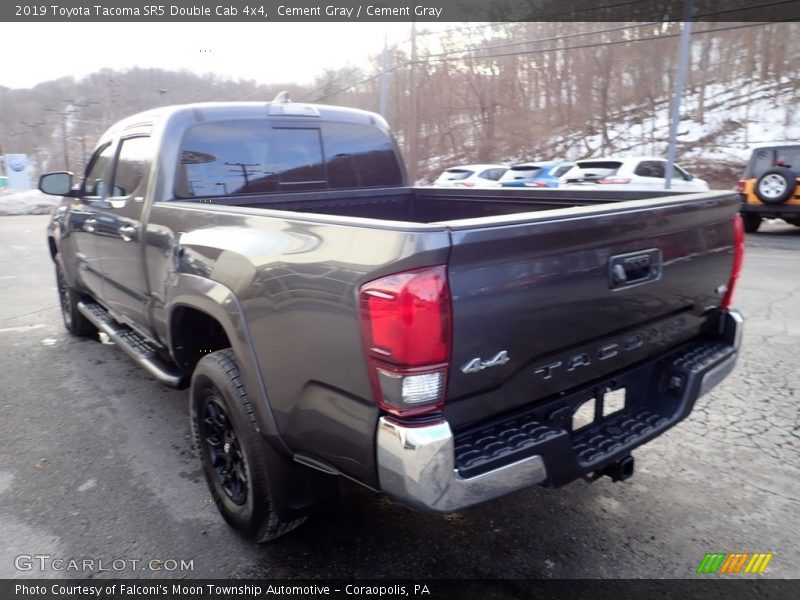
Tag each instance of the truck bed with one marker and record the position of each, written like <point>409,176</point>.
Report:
<point>429,205</point>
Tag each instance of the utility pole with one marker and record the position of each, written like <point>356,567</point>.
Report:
<point>683,59</point>
<point>242,167</point>
<point>63,115</point>
<point>413,129</point>
<point>384,78</point>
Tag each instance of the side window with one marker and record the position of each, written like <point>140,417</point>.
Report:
<point>650,168</point>
<point>678,173</point>
<point>95,182</point>
<point>561,171</point>
<point>133,167</point>
<point>495,174</point>
<point>789,158</point>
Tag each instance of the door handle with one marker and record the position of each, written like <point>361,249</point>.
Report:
<point>89,225</point>
<point>127,232</point>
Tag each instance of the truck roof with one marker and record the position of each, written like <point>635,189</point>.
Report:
<point>211,111</point>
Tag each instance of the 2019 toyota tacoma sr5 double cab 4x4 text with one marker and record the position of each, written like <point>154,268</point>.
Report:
<point>438,345</point>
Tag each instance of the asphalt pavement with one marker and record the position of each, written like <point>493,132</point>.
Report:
<point>96,464</point>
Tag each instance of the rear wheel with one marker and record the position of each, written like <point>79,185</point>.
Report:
<point>232,451</point>
<point>776,185</point>
<point>751,222</point>
<point>68,298</point>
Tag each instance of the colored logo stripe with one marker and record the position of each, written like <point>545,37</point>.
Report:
<point>759,562</point>
<point>721,562</point>
<point>734,563</point>
<point>711,562</point>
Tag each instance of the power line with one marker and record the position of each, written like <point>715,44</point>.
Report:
<point>348,87</point>
<point>549,39</point>
<point>594,45</point>
<point>744,8</point>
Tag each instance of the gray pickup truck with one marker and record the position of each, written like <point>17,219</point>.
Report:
<point>442,346</point>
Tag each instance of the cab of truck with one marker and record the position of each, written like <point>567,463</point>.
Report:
<point>770,186</point>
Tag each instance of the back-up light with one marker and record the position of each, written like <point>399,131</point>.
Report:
<point>406,326</point>
<point>738,260</point>
<point>535,183</point>
<point>614,180</point>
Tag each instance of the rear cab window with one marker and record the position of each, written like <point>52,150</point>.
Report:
<point>256,156</point>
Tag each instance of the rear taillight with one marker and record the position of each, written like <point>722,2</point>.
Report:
<point>614,180</point>
<point>465,184</point>
<point>406,326</point>
<point>738,259</point>
<point>538,184</point>
<point>740,186</point>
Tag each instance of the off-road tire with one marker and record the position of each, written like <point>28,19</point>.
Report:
<point>751,222</point>
<point>68,298</point>
<point>217,380</point>
<point>776,185</point>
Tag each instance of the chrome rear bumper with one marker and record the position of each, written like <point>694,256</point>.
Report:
<point>416,465</point>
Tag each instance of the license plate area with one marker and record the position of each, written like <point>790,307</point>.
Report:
<point>597,408</point>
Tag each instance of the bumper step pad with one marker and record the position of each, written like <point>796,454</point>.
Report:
<point>652,406</point>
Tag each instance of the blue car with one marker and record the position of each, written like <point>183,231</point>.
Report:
<point>535,174</point>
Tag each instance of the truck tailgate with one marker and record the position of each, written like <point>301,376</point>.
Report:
<point>546,304</point>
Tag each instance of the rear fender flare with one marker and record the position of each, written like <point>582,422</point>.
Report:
<point>219,301</point>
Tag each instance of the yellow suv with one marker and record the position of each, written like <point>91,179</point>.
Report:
<point>770,186</point>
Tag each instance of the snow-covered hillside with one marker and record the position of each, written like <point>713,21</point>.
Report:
<point>737,118</point>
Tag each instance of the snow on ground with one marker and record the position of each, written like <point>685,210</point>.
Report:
<point>737,119</point>
<point>30,202</point>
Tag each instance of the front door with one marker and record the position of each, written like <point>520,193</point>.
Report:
<point>81,220</point>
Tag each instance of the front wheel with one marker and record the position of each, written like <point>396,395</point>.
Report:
<point>68,298</point>
<point>232,451</point>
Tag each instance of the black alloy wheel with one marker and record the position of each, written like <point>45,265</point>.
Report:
<point>222,448</point>
<point>68,299</point>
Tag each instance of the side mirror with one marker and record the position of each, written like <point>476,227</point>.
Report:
<point>56,184</point>
<point>689,176</point>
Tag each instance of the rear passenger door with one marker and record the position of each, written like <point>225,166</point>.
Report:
<point>119,232</point>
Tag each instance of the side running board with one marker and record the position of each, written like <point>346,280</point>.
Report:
<point>134,346</point>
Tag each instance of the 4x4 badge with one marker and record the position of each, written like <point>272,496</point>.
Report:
<point>476,365</point>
